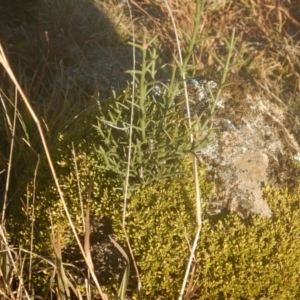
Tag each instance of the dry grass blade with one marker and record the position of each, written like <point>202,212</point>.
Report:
<point>32,224</point>
<point>9,259</point>
<point>9,71</point>
<point>183,64</point>
<point>5,271</point>
<point>126,181</point>
<point>12,143</point>
<point>87,246</point>
<point>62,280</point>
<point>78,184</point>
<point>190,288</point>
<point>125,279</point>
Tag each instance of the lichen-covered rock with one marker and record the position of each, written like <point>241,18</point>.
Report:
<point>250,147</point>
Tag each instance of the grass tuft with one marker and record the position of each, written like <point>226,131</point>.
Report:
<point>90,122</point>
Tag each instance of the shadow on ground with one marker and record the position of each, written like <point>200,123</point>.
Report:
<point>61,52</point>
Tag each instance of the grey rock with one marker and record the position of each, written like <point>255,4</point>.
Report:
<point>251,147</point>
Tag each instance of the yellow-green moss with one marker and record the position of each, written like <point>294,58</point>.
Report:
<point>251,259</point>
<point>255,259</point>
<point>235,259</point>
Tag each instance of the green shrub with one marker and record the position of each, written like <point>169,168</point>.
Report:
<point>236,259</point>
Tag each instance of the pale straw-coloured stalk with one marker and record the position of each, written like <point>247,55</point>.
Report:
<point>4,62</point>
<point>78,185</point>
<point>3,236</point>
<point>126,184</point>
<point>12,145</point>
<point>183,64</point>
<point>32,223</point>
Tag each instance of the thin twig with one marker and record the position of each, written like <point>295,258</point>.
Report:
<point>78,185</point>
<point>129,154</point>
<point>9,71</point>
<point>32,223</point>
<point>183,65</point>
<point>12,145</point>
<point>3,236</point>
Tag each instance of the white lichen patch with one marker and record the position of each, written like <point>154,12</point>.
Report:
<point>297,158</point>
<point>250,148</point>
<point>200,94</point>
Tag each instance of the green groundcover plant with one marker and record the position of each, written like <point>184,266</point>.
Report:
<point>253,258</point>
<point>236,259</point>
